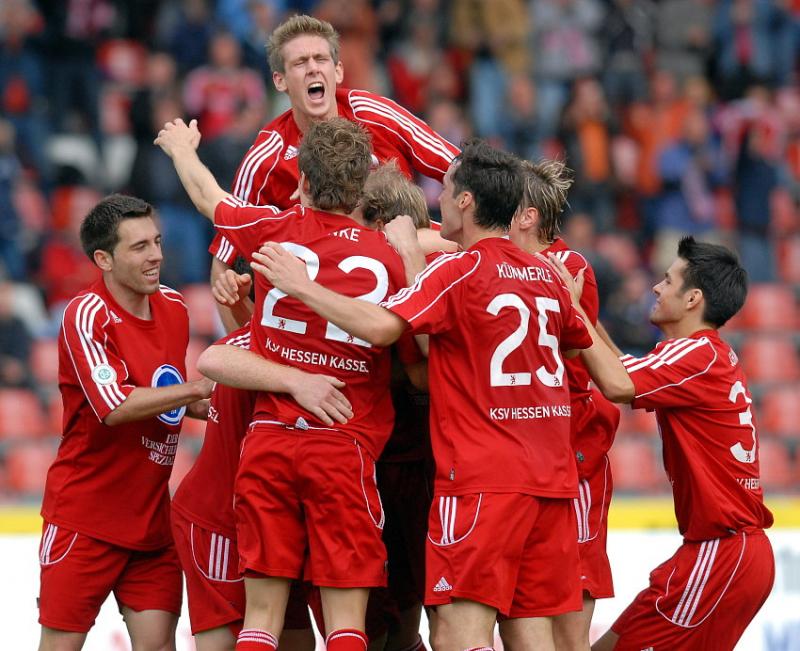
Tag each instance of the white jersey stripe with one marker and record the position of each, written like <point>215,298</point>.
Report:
<point>84,317</point>
<point>420,278</point>
<point>250,224</point>
<point>404,293</point>
<point>676,355</point>
<point>635,364</point>
<point>252,161</point>
<point>417,129</point>
<point>684,380</point>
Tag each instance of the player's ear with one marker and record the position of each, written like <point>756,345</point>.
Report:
<point>694,298</point>
<point>280,81</point>
<point>339,72</point>
<point>103,259</point>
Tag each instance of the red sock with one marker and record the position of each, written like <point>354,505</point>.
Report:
<point>346,639</point>
<point>254,639</point>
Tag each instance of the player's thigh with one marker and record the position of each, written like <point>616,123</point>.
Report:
<point>150,630</point>
<point>77,575</point>
<point>462,624</point>
<point>528,634</point>
<point>53,640</point>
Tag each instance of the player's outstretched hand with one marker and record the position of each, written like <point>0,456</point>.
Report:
<point>573,284</point>
<point>281,268</point>
<point>401,233</point>
<point>229,288</point>
<point>320,395</point>
<point>177,134</point>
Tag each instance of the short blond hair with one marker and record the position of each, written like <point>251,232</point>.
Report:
<point>389,193</point>
<point>291,28</point>
<point>546,184</point>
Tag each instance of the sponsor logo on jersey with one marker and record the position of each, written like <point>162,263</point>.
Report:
<point>104,375</point>
<point>442,586</point>
<point>291,152</point>
<point>166,375</point>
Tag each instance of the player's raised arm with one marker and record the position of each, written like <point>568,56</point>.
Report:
<point>180,142</point>
<point>602,362</point>
<point>359,318</point>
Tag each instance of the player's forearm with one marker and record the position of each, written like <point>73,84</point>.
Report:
<point>361,319</point>
<point>244,369</point>
<point>146,402</point>
<point>603,333</point>
<point>606,369</point>
<point>198,181</point>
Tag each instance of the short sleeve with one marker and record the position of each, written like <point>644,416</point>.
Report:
<point>222,249</point>
<point>425,305</point>
<point>98,368</point>
<point>246,227</point>
<point>674,374</point>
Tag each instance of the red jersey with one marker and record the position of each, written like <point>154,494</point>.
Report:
<point>268,173</point>
<point>205,495</point>
<point>110,483</point>
<point>593,443</point>
<point>704,410</point>
<point>347,258</point>
<point>500,408</point>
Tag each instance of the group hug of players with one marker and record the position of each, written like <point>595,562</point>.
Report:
<point>401,416</point>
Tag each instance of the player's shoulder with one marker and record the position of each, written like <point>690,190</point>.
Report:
<point>239,338</point>
<point>573,260</point>
<point>457,265</point>
<point>696,353</point>
<point>172,297</point>
<point>371,105</point>
<point>84,306</point>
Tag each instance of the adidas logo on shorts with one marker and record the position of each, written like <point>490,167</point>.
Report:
<point>442,586</point>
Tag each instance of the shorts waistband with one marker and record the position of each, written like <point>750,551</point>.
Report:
<point>300,424</point>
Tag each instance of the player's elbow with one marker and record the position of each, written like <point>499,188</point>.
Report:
<point>211,363</point>
<point>116,417</point>
<point>618,389</point>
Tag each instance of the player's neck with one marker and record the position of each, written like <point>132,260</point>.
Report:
<point>684,328</point>
<point>131,301</point>
<point>304,121</point>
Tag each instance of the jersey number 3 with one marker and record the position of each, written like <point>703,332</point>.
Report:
<point>740,452</point>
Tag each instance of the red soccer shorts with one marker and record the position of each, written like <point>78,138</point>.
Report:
<point>701,598</point>
<point>213,584</point>
<point>406,491</point>
<point>591,510</point>
<point>514,552</point>
<point>78,573</point>
<point>298,490</point>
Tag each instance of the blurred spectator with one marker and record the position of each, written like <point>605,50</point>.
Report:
<point>586,135</point>
<point>73,31</point>
<point>11,259</point>
<point>252,22</point>
<point>184,29</point>
<point>628,34</point>
<point>15,344</point>
<point>23,100</point>
<point>520,132</point>
<point>357,24</point>
<point>493,34</point>
<point>690,169</point>
<point>566,46</point>
<point>684,36</point>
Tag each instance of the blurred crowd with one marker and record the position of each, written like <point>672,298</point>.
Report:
<point>677,116</point>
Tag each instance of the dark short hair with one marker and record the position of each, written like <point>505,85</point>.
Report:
<point>716,272</point>
<point>335,156</point>
<point>100,228</point>
<point>494,178</point>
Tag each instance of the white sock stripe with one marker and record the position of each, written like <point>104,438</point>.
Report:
<point>676,617</point>
<point>695,602</point>
<point>336,635</point>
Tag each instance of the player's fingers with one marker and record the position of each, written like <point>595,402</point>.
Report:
<point>337,413</point>
<point>320,413</point>
<point>340,399</point>
<point>260,268</point>
<point>335,381</point>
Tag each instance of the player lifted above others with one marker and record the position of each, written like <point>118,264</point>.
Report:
<point>501,538</point>
<point>709,591</point>
<point>303,54</point>
<point>122,349</point>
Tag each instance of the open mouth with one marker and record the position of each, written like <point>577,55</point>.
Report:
<point>152,274</point>
<point>316,91</point>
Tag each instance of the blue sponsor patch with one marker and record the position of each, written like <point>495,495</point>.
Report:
<point>166,375</point>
